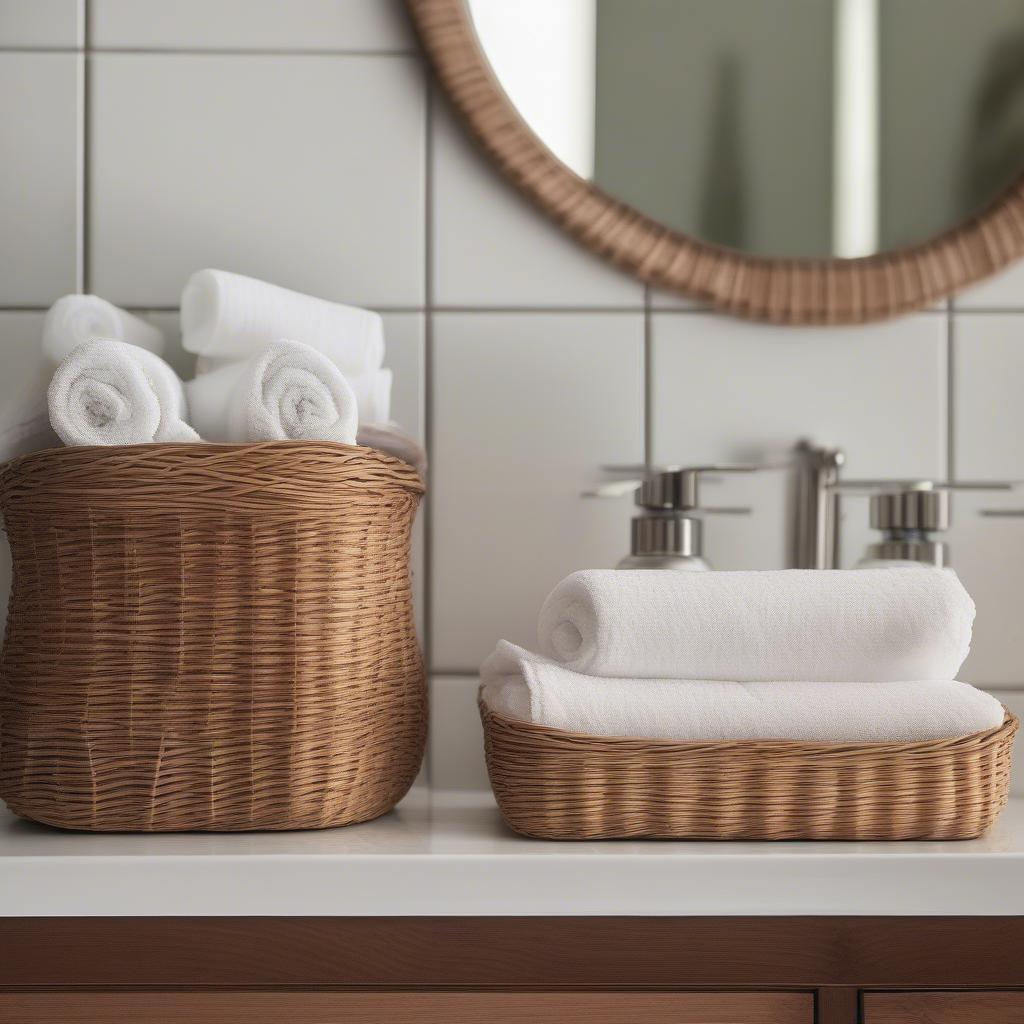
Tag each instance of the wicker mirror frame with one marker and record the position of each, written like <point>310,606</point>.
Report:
<point>793,291</point>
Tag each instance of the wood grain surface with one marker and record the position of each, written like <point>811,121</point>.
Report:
<point>944,1007</point>
<point>407,1008</point>
<point>529,953</point>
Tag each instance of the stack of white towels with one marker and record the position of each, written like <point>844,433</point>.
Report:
<point>842,656</point>
<point>272,365</point>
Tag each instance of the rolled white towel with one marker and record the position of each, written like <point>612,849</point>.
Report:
<point>387,437</point>
<point>226,315</point>
<point>833,625</point>
<point>75,319</point>
<point>288,392</point>
<point>372,390</point>
<point>109,392</point>
<point>524,686</point>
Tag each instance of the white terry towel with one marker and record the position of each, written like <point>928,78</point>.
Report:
<point>388,438</point>
<point>229,316</point>
<point>110,392</point>
<point>288,392</point>
<point>794,624</point>
<point>372,390</point>
<point>75,319</point>
<point>521,685</point>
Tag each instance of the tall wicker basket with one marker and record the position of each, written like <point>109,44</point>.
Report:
<point>212,637</point>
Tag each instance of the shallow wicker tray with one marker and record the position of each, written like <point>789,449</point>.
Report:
<point>551,784</point>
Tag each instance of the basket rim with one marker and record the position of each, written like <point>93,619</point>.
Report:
<point>1006,730</point>
<point>118,451</point>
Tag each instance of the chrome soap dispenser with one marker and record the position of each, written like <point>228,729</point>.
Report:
<point>667,531</point>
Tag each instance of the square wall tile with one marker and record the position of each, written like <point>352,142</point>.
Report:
<point>492,247</point>
<point>455,755</point>
<point>526,409</point>
<point>988,379</point>
<point>307,171</point>
<point>724,390</point>
<point>1004,290</point>
<point>40,204</point>
<point>370,25</point>
<point>43,23</point>
<point>661,299</point>
<point>988,555</point>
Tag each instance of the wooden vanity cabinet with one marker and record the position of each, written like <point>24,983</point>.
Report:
<point>944,1007</point>
<point>409,1007</point>
<point>513,970</point>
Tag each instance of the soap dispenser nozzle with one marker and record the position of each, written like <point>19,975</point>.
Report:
<point>667,531</point>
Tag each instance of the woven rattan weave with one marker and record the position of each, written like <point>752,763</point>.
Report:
<point>214,637</point>
<point>562,785</point>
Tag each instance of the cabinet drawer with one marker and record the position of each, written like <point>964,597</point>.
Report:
<point>407,1008</point>
<point>943,1007</point>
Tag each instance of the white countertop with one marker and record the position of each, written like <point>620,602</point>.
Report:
<point>446,853</point>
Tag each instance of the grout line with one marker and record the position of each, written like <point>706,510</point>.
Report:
<point>985,310</point>
<point>85,262</point>
<point>428,377</point>
<point>42,49</point>
<point>950,393</point>
<point>648,379</point>
<point>212,51</point>
<point>538,309</point>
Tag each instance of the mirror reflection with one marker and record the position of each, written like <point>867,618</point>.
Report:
<point>785,128</point>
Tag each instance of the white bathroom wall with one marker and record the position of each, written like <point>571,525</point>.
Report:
<point>302,142</point>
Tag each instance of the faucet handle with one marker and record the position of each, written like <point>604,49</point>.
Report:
<point>677,490</point>
<point>668,488</point>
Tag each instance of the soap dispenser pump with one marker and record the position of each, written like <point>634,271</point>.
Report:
<point>663,535</point>
<point>908,518</point>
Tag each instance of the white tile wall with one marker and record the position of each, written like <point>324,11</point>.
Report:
<point>40,209</point>
<point>727,391</point>
<point>456,758</point>
<point>360,25</point>
<point>296,142</point>
<point>307,170</point>
<point>1003,291</point>
<point>988,357</point>
<point>526,407</point>
<point>492,248</point>
<point>55,24</point>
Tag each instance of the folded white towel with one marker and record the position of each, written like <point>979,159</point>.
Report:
<point>75,319</point>
<point>109,392</point>
<point>388,438</point>
<point>288,392</point>
<point>524,686</point>
<point>227,315</point>
<point>834,625</point>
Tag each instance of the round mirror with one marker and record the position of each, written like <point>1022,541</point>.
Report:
<point>807,160</point>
